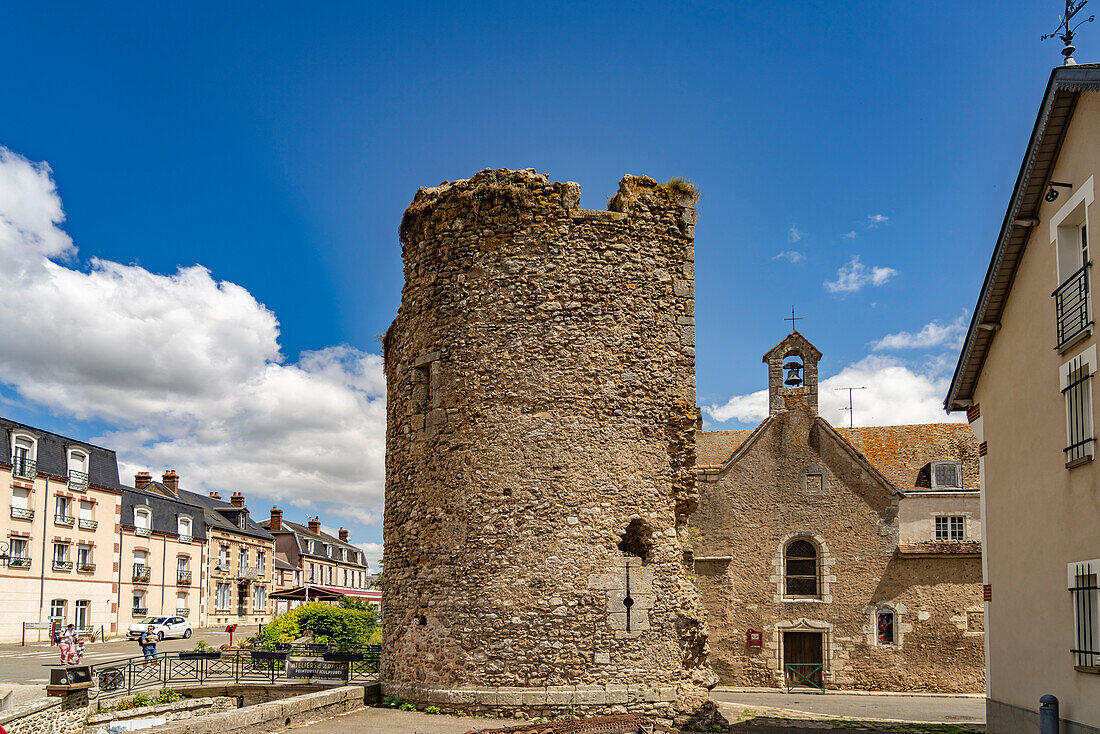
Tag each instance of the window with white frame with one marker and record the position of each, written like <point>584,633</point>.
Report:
<point>18,549</point>
<point>181,604</point>
<point>23,454</point>
<point>1084,586</point>
<point>242,560</point>
<point>261,560</point>
<point>946,475</point>
<point>224,597</point>
<point>63,510</point>
<point>310,547</point>
<point>21,499</point>
<point>1069,232</point>
<point>84,557</point>
<point>143,519</point>
<point>951,527</point>
<point>259,599</point>
<point>183,527</point>
<point>57,610</point>
<point>1076,384</point>
<point>87,515</point>
<point>297,577</point>
<point>60,553</point>
<point>82,614</point>
<point>78,470</point>
<point>223,557</point>
<point>138,601</point>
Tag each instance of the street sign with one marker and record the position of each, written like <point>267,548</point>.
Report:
<point>315,670</point>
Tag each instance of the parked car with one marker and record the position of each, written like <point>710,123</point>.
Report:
<point>162,626</point>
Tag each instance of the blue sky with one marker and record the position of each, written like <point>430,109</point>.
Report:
<point>872,146</point>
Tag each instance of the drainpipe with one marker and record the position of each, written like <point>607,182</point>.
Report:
<point>118,593</point>
<point>45,529</point>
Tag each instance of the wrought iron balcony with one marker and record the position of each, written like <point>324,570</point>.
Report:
<point>78,480</point>
<point>85,567</point>
<point>22,562</point>
<point>183,577</point>
<point>62,565</point>
<point>60,519</point>
<point>182,611</point>
<point>22,513</point>
<point>143,532</point>
<point>86,524</point>
<point>24,468</point>
<point>185,538</point>
<point>248,573</point>
<point>1071,306</point>
<point>141,573</point>
<point>140,611</point>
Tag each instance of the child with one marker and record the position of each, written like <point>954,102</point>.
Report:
<point>79,651</point>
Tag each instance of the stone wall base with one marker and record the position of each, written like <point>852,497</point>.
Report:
<point>1005,718</point>
<point>656,702</point>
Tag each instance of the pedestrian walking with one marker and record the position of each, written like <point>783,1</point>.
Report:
<point>67,644</point>
<point>148,643</point>
<point>79,651</point>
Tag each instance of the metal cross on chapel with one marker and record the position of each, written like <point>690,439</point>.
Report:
<point>792,318</point>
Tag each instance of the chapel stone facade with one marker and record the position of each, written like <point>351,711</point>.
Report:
<point>540,453</point>
<point>842,558</point>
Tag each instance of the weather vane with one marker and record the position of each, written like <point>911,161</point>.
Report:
<point>1067,31</point>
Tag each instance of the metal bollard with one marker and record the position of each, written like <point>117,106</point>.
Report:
<point>1048,714</point>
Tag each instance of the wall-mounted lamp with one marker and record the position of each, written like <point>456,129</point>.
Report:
<point>1052,194</point>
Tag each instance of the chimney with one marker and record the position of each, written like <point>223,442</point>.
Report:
<point>171,480</point>
<point>143,479</point>
<point>315,525</point>
<point>237,500</point>
<point>276,519</point>
<point>343,535</point>
<point>215,496</point>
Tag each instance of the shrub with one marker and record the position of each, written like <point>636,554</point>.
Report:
<point>407,706</point>
<point>344,627</point>
<point>432,710</point>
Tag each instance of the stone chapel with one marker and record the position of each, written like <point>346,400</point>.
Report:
<point>845,558</point>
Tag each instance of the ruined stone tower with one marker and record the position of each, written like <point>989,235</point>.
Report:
<point>540,452</point>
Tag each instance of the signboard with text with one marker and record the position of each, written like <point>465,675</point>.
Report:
<point>315,670</point>
<point>753,638</point>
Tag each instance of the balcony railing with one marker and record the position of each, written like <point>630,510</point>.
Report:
<point>141,573</point>
<point>78,480</point>
<point>60,565</point>
<point>143,532</point>
<point>85,567</point>
<point>140,611</point>
<point>183,577</point>
<point>185,538</point>
<point>1071,306</point>
<point>22,562</point>
<point>60,519</point>
<point>22,513</point>
<point>182,611</point>
<point>24,468</point>
<point>88,524</point>
<point>248,573</point>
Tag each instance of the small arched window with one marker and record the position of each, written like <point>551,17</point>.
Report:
<point>801,567</point>
<point>23,455</point>
<point>143,520</point>
<point>78,470</point>
<point>183,528</point>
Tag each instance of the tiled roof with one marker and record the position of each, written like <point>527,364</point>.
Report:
<point>902,454</point>
<point>939,547</point>
<point>712,448</point>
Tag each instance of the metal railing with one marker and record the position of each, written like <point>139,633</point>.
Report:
<point>1071,305</point>
<point>78,480</point>
<point>139,611</point>
<point>234,665</point>
<point>143,532</point>
<point>185,538</point>
<point>141,573</point>
<point>86,524</point>
<point>182,611</point>
<point>24,468</point>
<point>60,519</point>
<point>22,513</point>
<point>1086,648</point>
<point>183,577</point>
<point>21,562</point>
<point>60,565</point>
<point>807,674</point>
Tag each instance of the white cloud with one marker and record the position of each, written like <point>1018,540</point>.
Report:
<point>853,276</point>
<point>896,393</point>
<point>849,235</point>
<point>188,368</point>
<point>876,220</point>
<point>791,256</point>
<point>372,552</point>
<point>794,234</point>
<point>932,334</point>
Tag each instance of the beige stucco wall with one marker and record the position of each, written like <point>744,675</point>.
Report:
<point>917,511</point>
<point>1039,516</point>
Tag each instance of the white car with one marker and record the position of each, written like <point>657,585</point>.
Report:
<point>162,626</point>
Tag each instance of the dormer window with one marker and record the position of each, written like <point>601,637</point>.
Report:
<point>23,455</point>
<point>242,521</point>
<point>78,470</point>
<point>946,475</point>
<point>183,529</point>
<point>328,550</point>
<point>143,521</point>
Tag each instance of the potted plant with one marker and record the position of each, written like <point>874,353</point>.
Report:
<point>201,651</point>
<point>267,654</point>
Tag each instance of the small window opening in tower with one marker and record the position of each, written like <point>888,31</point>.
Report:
<point>794,367</point>
<point>636,540</point>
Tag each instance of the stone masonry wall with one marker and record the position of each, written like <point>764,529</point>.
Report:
<point>540,447</point>
<point>63,715</point>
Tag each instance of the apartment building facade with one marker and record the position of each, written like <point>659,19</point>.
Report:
<point>1025,378</point>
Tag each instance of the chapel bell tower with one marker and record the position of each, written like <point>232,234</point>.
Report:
<point>792,375</point>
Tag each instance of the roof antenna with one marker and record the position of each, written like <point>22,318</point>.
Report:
<point>851,412</point>
<point>1072,8</point>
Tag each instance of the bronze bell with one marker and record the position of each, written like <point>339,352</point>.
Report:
<point>793,378</point>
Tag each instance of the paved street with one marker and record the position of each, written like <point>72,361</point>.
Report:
<point>925,708</point>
